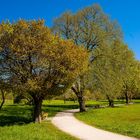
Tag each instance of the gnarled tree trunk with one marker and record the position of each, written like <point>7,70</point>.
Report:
<point>110,101</point>
<point>81,102</point>
<point>126,98</point>
<point>37,110</point>
<point>81,99</point>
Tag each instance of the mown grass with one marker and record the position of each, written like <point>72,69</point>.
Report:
<point>16,124</point>
<point>16,121</point>
<point>44,131</point>
<point>123,119</point>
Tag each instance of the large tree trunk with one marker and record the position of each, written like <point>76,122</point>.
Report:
<point>37,110</point>
<point>81,102</point>
<point>3,99</point>
<point>110,101</point>
<point>64,99</point>
<point>126,98</point>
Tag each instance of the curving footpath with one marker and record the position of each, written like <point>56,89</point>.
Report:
<point>66,122</point>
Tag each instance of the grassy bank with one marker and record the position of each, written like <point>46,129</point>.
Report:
<point>124,119</point>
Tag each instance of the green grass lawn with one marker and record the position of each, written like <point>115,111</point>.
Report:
<point>15,123</point>
<point>43,131</point>
<point>124,119</point>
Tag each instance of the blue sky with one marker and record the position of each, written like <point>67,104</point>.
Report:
<point>127,12</point>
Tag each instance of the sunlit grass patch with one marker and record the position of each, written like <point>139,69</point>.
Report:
<point>124,119</point>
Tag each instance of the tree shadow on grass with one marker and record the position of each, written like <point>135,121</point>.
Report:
<point>53,109</point>
<point>67,106</point>
<point>62,106</point>
<point>13,120</point>
<point>15,115</point>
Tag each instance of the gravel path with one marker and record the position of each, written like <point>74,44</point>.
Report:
<point>66,122</point>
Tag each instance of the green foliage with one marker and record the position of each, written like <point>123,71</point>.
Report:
<point>36,62</point>
<point>35,58</point>
<point>113,63</point>
<point>89,27</point>
<point>130,75</point>
<point>113,69</point>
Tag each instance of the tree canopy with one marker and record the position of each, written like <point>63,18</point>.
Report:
<point>37,62</point>
<point>114,70</point>
<point>91,28</point>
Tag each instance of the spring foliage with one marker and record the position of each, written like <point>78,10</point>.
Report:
<point>36,61</point>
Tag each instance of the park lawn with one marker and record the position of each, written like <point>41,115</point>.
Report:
<point>15,120</point>
<point>15,124</point>
<point>124,119</point>
<point>31,131</point>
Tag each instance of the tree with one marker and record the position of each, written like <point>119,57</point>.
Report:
<point>38,63</point>
<point>89,27</point>
<point>68,95</point>
<point>130,78</point>
<point>112,71</point>
<point>128,71</point>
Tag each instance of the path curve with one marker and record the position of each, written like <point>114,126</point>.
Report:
<point>66,122</point>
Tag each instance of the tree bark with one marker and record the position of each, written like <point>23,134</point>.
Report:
<point>64,99</point>
<point>81,102</point>
<point>110,101</point>
<point>3,99</point>
<point>37,110</point>
<point>126,98</point>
